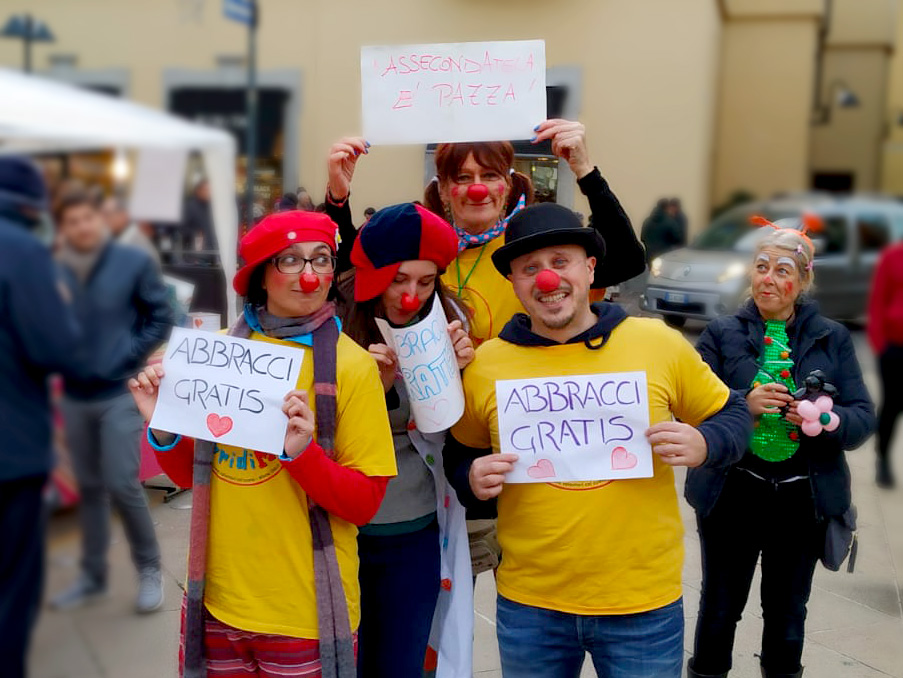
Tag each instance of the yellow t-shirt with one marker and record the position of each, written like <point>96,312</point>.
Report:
<point>487,293</point>
<point>260,574</point>
<point>604,547</point>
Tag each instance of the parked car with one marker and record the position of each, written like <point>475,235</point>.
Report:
<point>711,276</point>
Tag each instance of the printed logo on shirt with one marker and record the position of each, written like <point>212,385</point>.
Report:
<point>244,467</point>
<point>581,485</point>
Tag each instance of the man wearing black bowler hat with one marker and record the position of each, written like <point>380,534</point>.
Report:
<point>588,566</point>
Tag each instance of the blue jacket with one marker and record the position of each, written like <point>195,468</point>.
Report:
<point>731,346</point>
<point>37,332</point>
<point>124,309</point>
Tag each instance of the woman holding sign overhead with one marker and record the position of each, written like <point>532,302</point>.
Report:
<point>478,190</point>
<point>272,568</point>
<point>415,548</point>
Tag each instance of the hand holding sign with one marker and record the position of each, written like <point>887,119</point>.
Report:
<point>343,157</point>
<point>487,474</point>
<point>677,444</point>
<point>386,361</point>
<point>462,344</point>
<point>301,424</point>
<point>568,143</point>
<point>144,387</point>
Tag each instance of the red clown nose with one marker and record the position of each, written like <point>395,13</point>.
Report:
<point>547,281</point>
<point>309,282</point>
<point>409,303</point>
<point>477,192</point>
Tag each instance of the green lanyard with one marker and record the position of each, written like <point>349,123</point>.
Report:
<point>462,285</point>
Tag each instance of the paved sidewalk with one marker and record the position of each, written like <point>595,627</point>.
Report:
<point>855,627</point>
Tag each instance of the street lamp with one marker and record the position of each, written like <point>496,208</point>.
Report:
<point>28,30</point>
<point>839,95</point>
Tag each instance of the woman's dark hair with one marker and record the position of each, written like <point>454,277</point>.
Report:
<point>494,155</point>
<point>359,322</point>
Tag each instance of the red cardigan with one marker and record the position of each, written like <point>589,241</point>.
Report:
<point>885,312</point>
<point>344,492</point>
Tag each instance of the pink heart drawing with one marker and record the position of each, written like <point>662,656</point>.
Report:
<point>218,425</point>
<point>436,413</point>
<point>541,469</point>
<point>198,322</point>
<point>622,460</point>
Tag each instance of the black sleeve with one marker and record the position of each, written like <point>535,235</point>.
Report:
<point>852,404</point>
<point>624,255</point>
<point>456,461</point>
<point>727,432</point>
<point>709,347</point>
<point>341,215</point>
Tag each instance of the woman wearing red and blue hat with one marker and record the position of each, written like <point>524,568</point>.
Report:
<point>415,548</point>
<point>272,574</point>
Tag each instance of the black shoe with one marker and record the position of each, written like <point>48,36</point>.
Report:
<point>693,674</point>
<point>884,477</point>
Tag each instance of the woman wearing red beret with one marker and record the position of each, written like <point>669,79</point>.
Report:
<point>272,573</point>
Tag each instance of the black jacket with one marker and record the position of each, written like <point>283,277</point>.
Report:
<point>624,257</point>
<point>731,346</point>
<point>725,431</point>
<point>124,310</point>
<point>37,332</point>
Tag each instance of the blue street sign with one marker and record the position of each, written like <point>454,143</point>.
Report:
<point>241,11</point>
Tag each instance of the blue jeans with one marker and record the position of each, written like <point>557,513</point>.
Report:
<point>538,643</point>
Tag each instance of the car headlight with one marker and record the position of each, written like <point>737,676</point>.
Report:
<point>735,270</point>
<point>655,268</point>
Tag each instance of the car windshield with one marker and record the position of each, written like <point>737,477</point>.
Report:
<point>732,231</point>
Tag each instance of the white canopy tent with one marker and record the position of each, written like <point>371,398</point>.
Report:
<point>39,116</point>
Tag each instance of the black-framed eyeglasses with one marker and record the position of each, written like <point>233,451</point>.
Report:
<point>292,264</point>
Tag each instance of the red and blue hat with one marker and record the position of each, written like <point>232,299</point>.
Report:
<point>276,232</point>
<point>406,232</point>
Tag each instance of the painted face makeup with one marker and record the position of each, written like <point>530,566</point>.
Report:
<point>775,283</point>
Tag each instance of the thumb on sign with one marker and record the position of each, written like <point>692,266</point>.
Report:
<point>145,386</point>
<point>301,423</point>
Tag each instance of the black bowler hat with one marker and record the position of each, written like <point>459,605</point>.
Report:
<point>545,225</point>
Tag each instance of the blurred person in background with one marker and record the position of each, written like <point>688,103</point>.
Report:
<point>369,212</point>
<point>287,202</point>
<point>778,498</point>
<point>121,302</point>
<point>197,218</point>
<point>37,332</point>
<point>124,230</point>
<point>677,211</point>
<point>305,202</point>
<point>885,332</point>
<point>662,231</point>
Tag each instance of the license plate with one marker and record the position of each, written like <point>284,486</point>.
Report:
<point>676,297</point>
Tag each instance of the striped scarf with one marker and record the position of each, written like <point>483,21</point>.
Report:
<point>336,643</point>
<point>466,239</point>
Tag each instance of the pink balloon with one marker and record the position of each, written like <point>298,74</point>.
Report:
<point>824,403</point>
<point>834,423</point>
<point>808,410</point>
<point>811,428</point>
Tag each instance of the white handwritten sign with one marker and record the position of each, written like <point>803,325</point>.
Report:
<point>466,91</point>
<point>588,427</point>
<point>429,367</point>
<point>226,390</point>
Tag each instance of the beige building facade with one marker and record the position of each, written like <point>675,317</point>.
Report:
<point>690,98</point>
